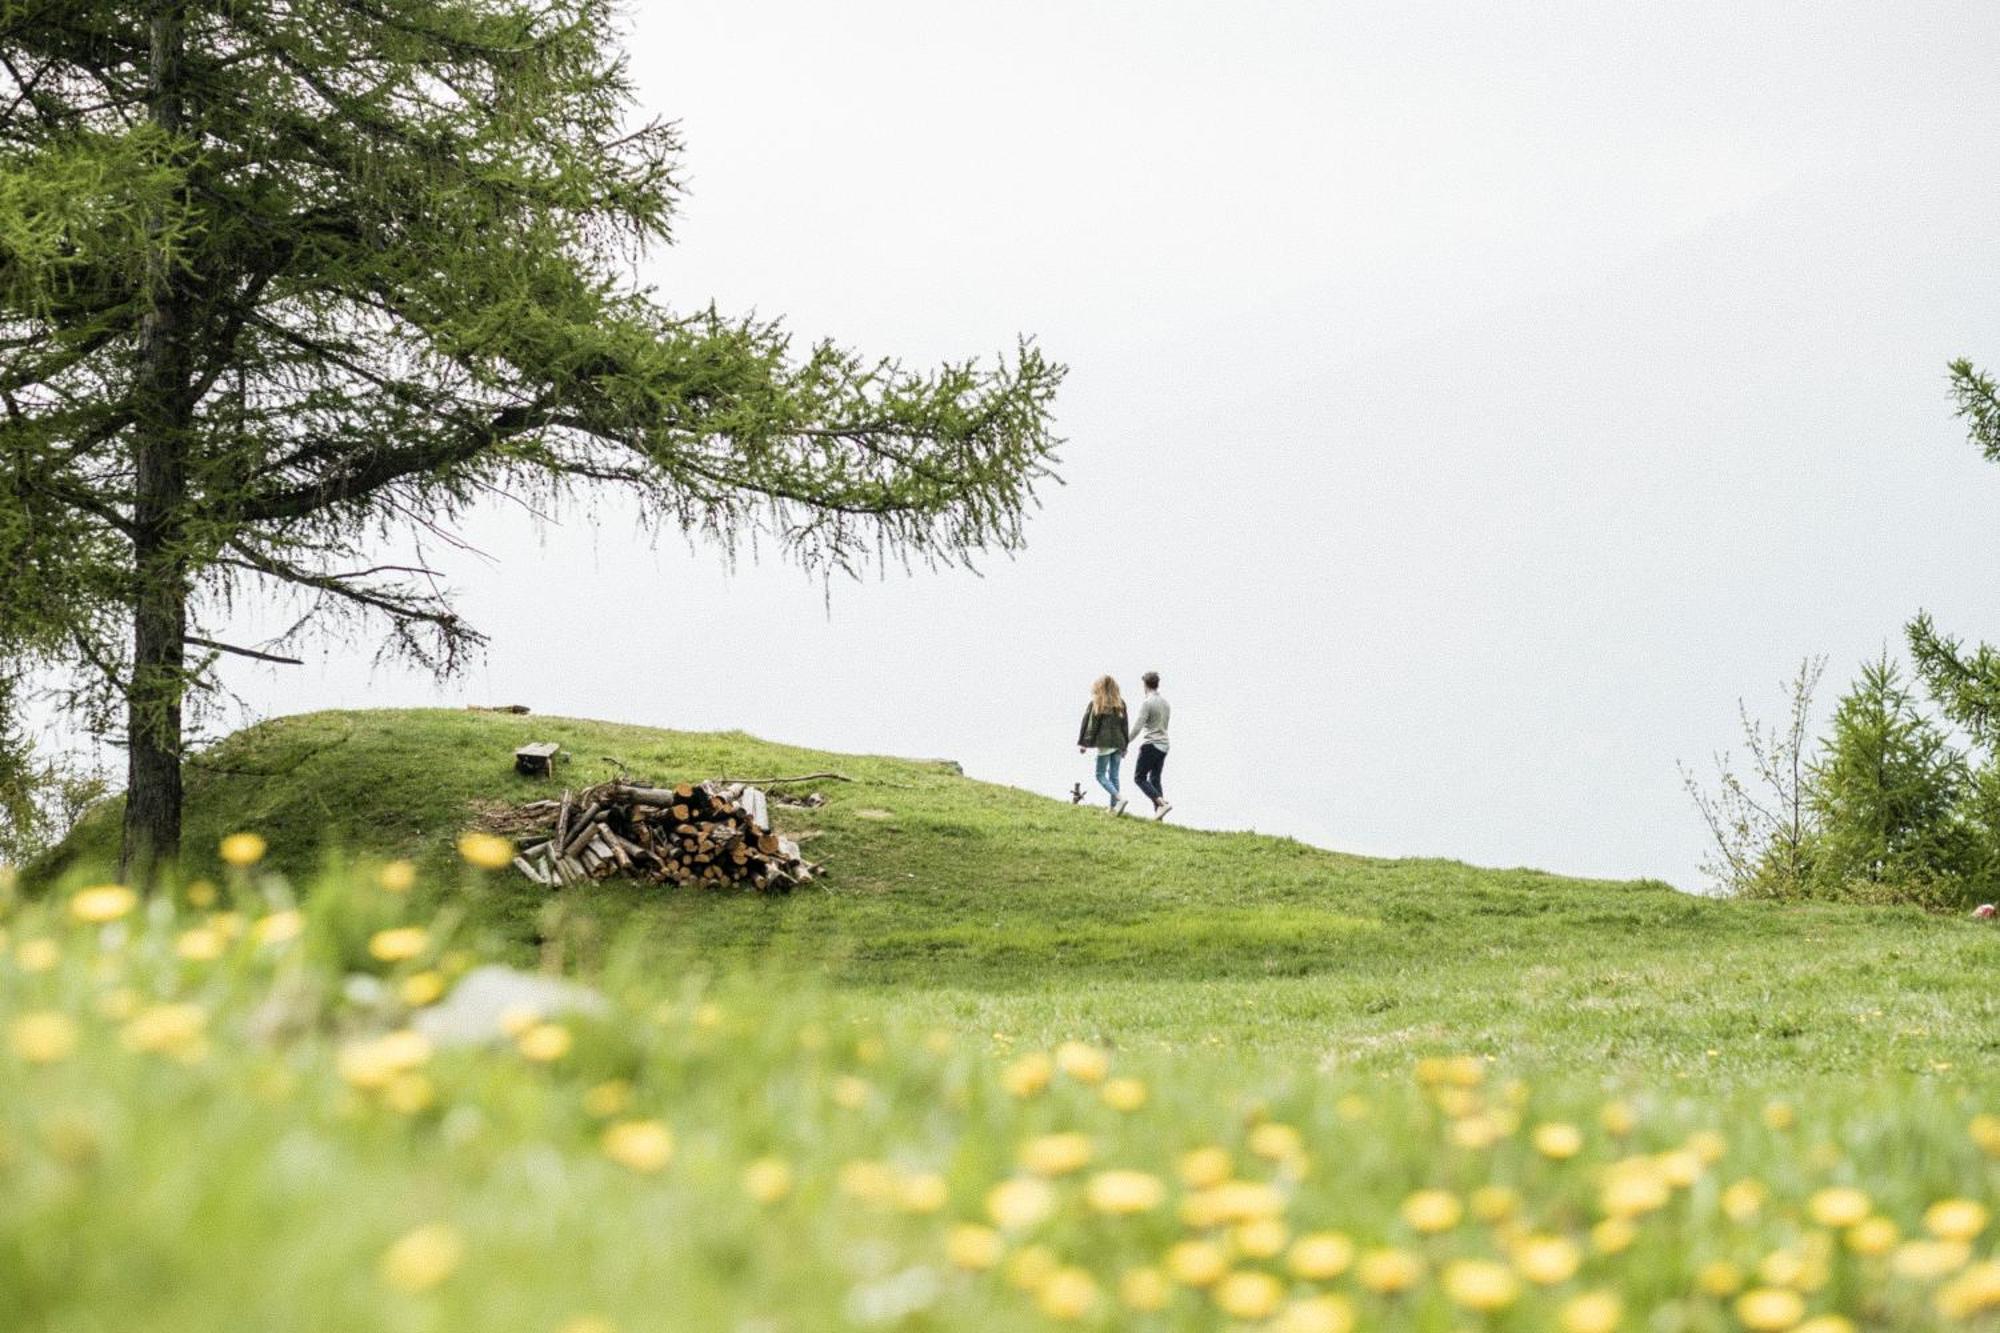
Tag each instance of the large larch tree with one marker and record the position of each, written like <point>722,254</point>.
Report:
<point>281,280</point>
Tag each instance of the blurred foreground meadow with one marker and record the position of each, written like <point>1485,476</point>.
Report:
<point>244,1106</point>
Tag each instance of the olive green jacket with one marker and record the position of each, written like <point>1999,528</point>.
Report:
<point>1104,731</point>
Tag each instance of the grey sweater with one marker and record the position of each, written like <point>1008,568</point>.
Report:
<point>1150,726</point>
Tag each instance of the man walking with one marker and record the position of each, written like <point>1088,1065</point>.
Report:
<point>1149,728</point>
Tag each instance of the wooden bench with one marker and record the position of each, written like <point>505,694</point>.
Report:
<point>537,760</point>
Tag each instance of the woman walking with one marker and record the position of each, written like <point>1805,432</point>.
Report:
<point>1107,731</point>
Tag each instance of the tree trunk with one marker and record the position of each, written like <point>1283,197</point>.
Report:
<point>160,437</point>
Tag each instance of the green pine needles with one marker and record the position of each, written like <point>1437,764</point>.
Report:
<point>279,281</point>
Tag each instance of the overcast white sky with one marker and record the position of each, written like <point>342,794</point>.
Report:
<point>1467,403</point>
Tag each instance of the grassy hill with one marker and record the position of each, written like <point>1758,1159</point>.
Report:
<point>994,909</point>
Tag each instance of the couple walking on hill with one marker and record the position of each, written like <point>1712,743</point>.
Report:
<point>1107,730</point>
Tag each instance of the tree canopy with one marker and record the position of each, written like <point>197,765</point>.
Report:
<point>1965,681</point>
<point>281,281</point>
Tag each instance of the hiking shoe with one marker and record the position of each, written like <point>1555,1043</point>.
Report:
<point>1118,807</point>
<point>1160,811</point>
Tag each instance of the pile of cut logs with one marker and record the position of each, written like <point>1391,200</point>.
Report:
<point>710,833</point>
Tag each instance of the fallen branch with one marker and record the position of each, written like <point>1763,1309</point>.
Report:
<point>781,782</point>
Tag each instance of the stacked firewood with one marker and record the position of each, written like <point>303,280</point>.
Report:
<point>707,833</point>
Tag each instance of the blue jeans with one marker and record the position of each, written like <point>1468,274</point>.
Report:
<point>1107,773</point>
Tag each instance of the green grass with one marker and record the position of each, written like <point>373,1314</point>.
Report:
<point>871,1035</point>
<point>197,1136</point>
<point>993,909</point>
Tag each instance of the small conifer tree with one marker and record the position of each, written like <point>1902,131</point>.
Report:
<point>1886,791</point>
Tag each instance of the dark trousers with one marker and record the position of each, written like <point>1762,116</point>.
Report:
<point>1146,773</point>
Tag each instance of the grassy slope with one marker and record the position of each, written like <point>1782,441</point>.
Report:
<point>1000,910</point>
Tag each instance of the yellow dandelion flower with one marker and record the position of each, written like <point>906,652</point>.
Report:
<point>120,1004</point>
<point>1618,1119</point>
<point>1873,1236</point>
<point>1020,1203</point>
<point>1031,1266</point>
<point>1352,1107</point>
<point>604,1100</point>
<point>201,894</point>
<point>166,1029</point>
<point>1082,1061</point>
<point>1275,1142</point>
<point>849,1092</point>
<point>1027,1075</point>
<point>1780,1116</point>
<point>1321,1255</point>
<point>1782,1268</point>
<point>1069,1294</point>
<point>1719,1278</point>
<point>1547,1261</point>
<point>1476,1133</point>
<point>1057,1154</point>
<point>1743,1199</point>
<point>1432,1211</point>
<point>278,927</point>
<point>1144,1290</point>
<point>1123,1094</point>
<point>486,851</point>
<point>1971,1293</point>
<point>1679,1169</point>
<point>1493,1204</point>
<point>972,1247</point>
<point>708,1016</point>
<point>1985,1131</point>
<point>409,1094</point>
<point>1633,1187</point>
<point>869,1181</point>
<point>767,1180</point>
<point>43,1037</point>
<point>1614,1235</point>
<point>1592,1312</point>
<point>1955,1219</point>
<point>1839,1206</point>
<point>399,944</point>
<point>1388,1272</point>
<point>1249,1295</point>
<point>201,944</point>
<point>1708,1145</point>
<point>243,850</point>
<point>397,877</point>
<point>1205,1167</point>
<point>516,1019</point>
<point>922,1193</point>
<point>544,1042</point>
<point>374,1061</point>
<point>1196,1263</point>
<point>1927,1260</point>
<point>871,1050</point>
<point>37,955</point>
<point>102,904</point>
<point>1770,1308</point>
<point>422,988</point>
<point>1243,1201</point>
<point>1263,1238</point>
<point>423,1259</point>
<point>1125,1192</point>
<point>1317,1314</point>
<point>1480,1285</point>
<point>1557,1141</point>
<point>645,1146</point>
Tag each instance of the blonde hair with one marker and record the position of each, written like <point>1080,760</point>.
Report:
<point>1104,696</point>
